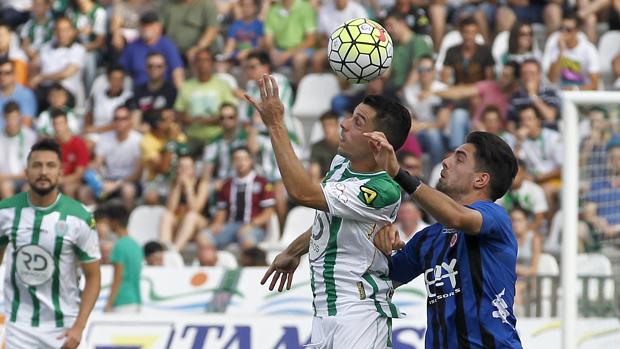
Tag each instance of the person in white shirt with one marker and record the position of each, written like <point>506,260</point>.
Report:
<point>573,61</point>
<point>104,99</point>
<point>409,220</point>
<point>332,15</point>
<point>62,60</point>
<point>118,158</point>
<point>15,143</point>
<point>542,151</point>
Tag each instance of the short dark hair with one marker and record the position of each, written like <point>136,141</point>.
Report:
<point>393,119</point>
<point>118,213</point>
<point>57,87</point>
<point>261,55</point>
<point>530,106</point>
<point>228,105</point>
<point>46,144</point>
<point>152,247</point>
<point>329,115</point>
<point>572,15</point>
<point>114,67</point>
<point>6,60</point>
<point>426,56</point>
<point>241,148</point>
<point>530,60</point>
<point>468,20</point>
<point>155,53</point>
<point>255,256</point>
<point>10,107</point>
<point>58,113</point>
<point>515,68</point>
<point>402,155</point>
<point>496,158</point>
<point>152,117</point>
<point>491,108</point>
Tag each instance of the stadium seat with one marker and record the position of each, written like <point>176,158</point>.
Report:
<point>608,47</point>
<point>500,46</point>
<point>272,237</point>
<point>144,223</point>
<point>173,259</point>
<point>314,97</point>
<point>316,134</point>
<point>452,38</point>
<point>547,266</point>
<point>298,220</point>
<point>227,260</point>
<point>597,265</point>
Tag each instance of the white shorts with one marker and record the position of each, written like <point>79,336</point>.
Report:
<point>22,336</point>
<point>359,332</point>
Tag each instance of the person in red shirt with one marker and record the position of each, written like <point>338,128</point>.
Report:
<point>245,205</point>
<point>74,154</point>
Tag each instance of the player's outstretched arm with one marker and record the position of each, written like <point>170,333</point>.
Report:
<point>285,263</point>
<point>443,208</point>
<point>298,183</point>
<point>92,276</point>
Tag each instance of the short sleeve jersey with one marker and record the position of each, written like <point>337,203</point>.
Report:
<point>45,246</point>
<point>348,274</point>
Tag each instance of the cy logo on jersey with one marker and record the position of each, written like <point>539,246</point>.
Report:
<point>435,277</point>
<point>34,265</point>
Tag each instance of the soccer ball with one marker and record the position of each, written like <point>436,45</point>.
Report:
<point>360,50</point>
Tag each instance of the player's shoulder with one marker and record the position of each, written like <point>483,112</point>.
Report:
<point>74,208</point>
<point>17,200</point>
<point>379,190</point>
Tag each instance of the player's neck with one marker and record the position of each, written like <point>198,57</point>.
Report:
<point>43,201</point>
<point>364,166</point>
<point>468,199</point>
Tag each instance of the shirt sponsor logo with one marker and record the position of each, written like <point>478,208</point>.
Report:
<point>34,265</point>
<point>368,194</point>
<point>438,276</point>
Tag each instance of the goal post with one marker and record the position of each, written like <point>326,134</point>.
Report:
<point>570,204</point>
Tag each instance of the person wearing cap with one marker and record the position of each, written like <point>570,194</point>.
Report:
<point>191,24</point>
<point>133,57</point>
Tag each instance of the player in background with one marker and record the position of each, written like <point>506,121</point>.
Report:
<point>349,276</point>
<point>47,234</point>
<point>467,259</point>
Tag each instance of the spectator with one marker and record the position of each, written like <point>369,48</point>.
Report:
<point>408,48</point>
<point>117,158</point>
<point>409,220</point>
<point>253,257</point>
<point>199,100</point>
<point>133,58</point>
<point>38,30</point>
<point>90,20</point>
<point>572,61</point>
<point>186,206</point>
<point>532,92</point>
<point>491,121</point>
<point>529,197</point>
<point>156,93</point>
<point>245,34</point>
<point>127,258</point>
<point>415,15</point>
<point>331,16</point>
<point>245,206</point>
<point>542,151</point>
<point>596,133</point>
<point>104,99</point>
<point>154,254</point>
<point>468,62</point>
<point>443,12</point>
<point>290,35</point>
<point>62,61</point>
<point>322,152</point>
<point>15,142</point>
<point>530,248</point>
<point>255,66</point>
<point>521,45</point>
<point>57,98</point>
<point>125,21</point>
<point>530,11</point>
<point>75,155</point>
<point>420,96</point>
<point>192,25</point>
<point>10,50</point>
<point>588,12</point>
<point>14,12</point>
<point>410,163</point>
<point>10,90</point>
<point>207,255</point>
<point>218,154</point>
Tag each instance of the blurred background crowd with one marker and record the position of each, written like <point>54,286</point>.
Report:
<point>146,99</point>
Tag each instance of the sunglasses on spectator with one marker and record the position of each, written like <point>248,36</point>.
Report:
<point>228,117</point>
<point>425,69</point>
<point>567,29</point>
<point>526,33</point>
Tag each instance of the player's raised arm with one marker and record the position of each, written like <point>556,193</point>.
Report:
<point>285,263</point>
<point>446,210</point>
<point>296,179</point>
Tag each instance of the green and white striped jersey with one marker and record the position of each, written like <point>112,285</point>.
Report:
<point>348,274</point>
<point>45,246</point>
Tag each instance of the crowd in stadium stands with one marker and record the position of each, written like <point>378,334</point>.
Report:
<point>147,100</point>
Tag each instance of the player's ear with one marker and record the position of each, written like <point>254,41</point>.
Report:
<point>482,180</point>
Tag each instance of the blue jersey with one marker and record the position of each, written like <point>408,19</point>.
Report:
<point>470,281</point>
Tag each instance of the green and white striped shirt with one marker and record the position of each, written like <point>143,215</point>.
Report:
<point>45,246</point>
<point>348,274</point>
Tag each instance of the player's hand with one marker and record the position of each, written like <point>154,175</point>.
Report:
<point>388,240</point>
<point>383,152</point>
<point>270,107</point>
<point>73,338</point>
<point>284,266</point>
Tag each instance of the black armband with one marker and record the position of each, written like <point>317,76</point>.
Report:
<point>406,181</point>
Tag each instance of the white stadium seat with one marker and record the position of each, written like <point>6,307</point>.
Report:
<point>608,47</point>
<point>595,264</point>
<point>144,223</point>
<point>298,220</point>
<point>227,260</point>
